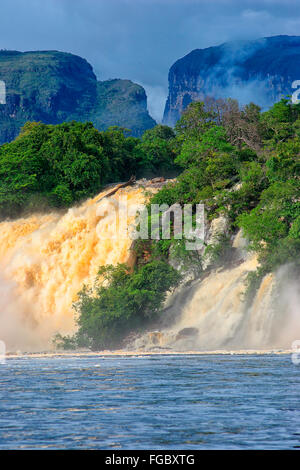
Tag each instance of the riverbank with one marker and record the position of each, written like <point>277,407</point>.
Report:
<point>124,353</point>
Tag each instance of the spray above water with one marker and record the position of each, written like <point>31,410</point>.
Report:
<point>215,316</point>
<point>46,259</point>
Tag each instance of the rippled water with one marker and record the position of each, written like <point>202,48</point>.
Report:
<point>150,402</point>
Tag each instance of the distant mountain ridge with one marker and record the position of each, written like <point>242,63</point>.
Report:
<point>53,86</point>
<point>261,70</point>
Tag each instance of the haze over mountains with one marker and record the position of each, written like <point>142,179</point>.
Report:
<point>261,71</point>
<point>53,87</point>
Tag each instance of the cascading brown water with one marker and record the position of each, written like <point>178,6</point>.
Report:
<point>46,259</point>
<point>214,315</point>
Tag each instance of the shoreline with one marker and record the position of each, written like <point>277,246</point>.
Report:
<point>138,353</point>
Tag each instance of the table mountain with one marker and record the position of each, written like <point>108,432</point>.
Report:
<point>53,87</point>
<point>261,71</point>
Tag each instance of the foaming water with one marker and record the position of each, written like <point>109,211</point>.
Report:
<point>217,307</point>
<point>215,315</point>
<point>45,260</point>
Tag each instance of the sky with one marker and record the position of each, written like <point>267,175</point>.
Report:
<point>140,39</point>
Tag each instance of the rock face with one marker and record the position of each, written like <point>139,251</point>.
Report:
<point>121,103</point>
<point>261,71</point>
<point>53,87</point>
<point>186,333</point>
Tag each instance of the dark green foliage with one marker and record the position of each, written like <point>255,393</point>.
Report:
<point>241,163</point>
<point>281,123</point>
<point>124,302</point>
<point>272,225</point>
<point>210,163</point>
<point>245,164</point>
<point>195,121</point>
<point>58,165</point>
<point>158,149</point>
<point>62,164</point>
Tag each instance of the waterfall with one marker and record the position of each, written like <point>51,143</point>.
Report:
<point>215,316</point>
<point>46,259</point>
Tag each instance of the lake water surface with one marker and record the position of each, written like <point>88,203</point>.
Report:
<point>150,402</point>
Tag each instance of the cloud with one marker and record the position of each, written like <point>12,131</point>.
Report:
<point>140,39</point>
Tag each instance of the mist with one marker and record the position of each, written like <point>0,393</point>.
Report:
<point>140,39</point>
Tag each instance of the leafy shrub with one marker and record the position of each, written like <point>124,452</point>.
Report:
<point>65,163</point>
<point>120,302</point>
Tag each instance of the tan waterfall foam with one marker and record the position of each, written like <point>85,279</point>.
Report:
<point>45,260</point>
<point>216,317</point>
<point>217,307</point>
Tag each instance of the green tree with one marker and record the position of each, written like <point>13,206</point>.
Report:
<point>195,120</point>
<point>120,302</point>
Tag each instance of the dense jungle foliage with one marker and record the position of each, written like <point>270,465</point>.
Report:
<point>239,162</point>
<point>58,165</point>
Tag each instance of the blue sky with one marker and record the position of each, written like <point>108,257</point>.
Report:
<point>140,39</point>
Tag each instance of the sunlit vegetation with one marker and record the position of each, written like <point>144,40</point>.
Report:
<point>240,162</point>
